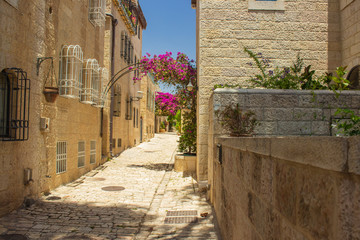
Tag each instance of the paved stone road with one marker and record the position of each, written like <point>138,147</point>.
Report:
<point>143,191</point>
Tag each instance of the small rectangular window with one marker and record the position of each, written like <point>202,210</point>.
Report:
<point>119,142</point>
<point>81,154</point>
<point>92,152</point>
<point>61,157</point>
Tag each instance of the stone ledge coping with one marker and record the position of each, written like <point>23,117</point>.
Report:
<point>341,154</point>
<point>282,91</point>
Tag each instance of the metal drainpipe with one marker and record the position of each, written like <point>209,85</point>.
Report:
<point>114,22</point>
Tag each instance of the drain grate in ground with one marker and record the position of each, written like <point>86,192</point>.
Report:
<point>182,213</point>
<point>179,220</point>
<point>113,188</point>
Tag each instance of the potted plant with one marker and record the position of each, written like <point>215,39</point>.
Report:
<point>236,121</point>
<point>51,90</point>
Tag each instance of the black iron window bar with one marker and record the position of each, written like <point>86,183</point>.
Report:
<point>14,105</point>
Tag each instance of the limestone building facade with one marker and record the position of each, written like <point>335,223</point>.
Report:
<point>324,33</point>
<point>147,111</point>
<point>62,46</point>
<point>123,48</point>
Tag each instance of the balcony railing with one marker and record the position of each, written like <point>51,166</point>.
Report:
<point>125,8</point>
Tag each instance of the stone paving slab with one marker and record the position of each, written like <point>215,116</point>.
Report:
<point>128,198</point>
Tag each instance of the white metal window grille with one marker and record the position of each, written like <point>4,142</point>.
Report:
<point>71,60</point>
<point>81,154</point>
<point>90,82</point>
<point>92,152</point>
<point>97,12</point>
<point>104,79</point>
<point>61,156</point>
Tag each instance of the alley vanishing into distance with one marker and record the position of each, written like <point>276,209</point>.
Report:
<point>134,196</point>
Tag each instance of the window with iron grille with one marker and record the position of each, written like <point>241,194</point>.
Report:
<point>119,142</point>
<point>81,154</point>
<point>92,152</point>
<point>97,12</point>
<point>90,82</point>
<point>14,105</point>
<point>61,157</point>
<point>103,80</point>
<point>70,71</point>
<point>117,101</point>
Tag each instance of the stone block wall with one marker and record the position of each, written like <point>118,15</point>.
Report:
<point>350,32</point>
<point>281,112</point>
<point>287,112</point>
<point>22,33</point>
<point>224,27</point>
<point>302,188</point>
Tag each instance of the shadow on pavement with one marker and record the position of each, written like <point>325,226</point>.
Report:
<point>60,221</point>
<point>154,166</point>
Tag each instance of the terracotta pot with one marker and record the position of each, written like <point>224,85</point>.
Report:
<point>162,130</point>
<point>51,93</point>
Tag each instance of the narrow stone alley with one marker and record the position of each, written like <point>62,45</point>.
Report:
<point>134,196</point>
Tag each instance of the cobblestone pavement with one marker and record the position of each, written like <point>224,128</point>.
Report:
<point>129,198</point>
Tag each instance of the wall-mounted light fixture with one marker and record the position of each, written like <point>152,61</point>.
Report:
<point>139,95</point>
<point>190,86</point>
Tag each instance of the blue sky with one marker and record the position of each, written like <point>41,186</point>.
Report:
<point>171,26</point>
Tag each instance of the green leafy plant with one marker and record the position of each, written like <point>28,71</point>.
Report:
<point>349,123</point>
<point>162,125</point>
<point>295,77</point>
<point>178,121</point>
<point>236,121</point>
<point>187,140</point>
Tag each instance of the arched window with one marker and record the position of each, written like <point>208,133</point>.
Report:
<point>104,79</point>
<point>91,82</point>
<point>70,72</point>
<point>14,105</point>
<point>354,77</point>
